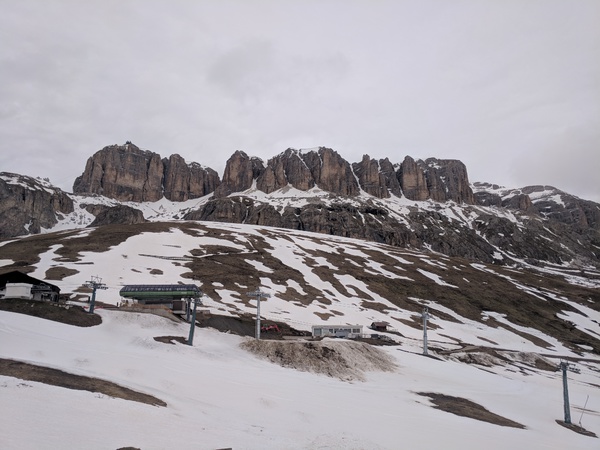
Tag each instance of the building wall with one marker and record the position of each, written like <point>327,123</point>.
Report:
<point>18,290</point>
<point>337,330</point>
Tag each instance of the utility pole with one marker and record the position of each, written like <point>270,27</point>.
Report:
<point>258,294</point>
<point>564,366</point>
<point>193,322</point>
<point>425,316</point>
<point>95,283</point>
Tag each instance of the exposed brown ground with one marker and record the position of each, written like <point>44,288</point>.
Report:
<point>576,428</point>
<point>73,315</point>
<point>69,314</point>
<point>171,339</point>
<point>342,359</point>
<point>466,408</point>
<point>226,267</point>
<point>55,377</point>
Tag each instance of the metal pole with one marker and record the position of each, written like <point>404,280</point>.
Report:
<point>258,317</point>
<point>258,295</point>
<point>563,366</point>
<point>425,316</point>
<point>192,325</point>
<point>94,283</point>
<point>93,300</point>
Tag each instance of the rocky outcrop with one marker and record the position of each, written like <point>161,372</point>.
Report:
<point>447,180</point>
<point>187,181</point>
<point>412,180</point>
<point>371,178</point>
<point>27,205</point>
<point>119,215</point>
<point>240,173</point>
<point>123,172</point>
<point>331,172</point>
<point>490,238</point>
<point>555,204</point>
<point>337,218</point>
<point>440,180</point>
<point>521,202</point>
<point>324,168</point>
<point>288,168</point>
<point>388,170</point>
<point>127,173</point>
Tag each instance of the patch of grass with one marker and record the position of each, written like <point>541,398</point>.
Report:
<point>59,272</point>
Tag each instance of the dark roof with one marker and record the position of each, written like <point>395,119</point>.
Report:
<point>20,277</point>
<point>159,287</point>
<point>164,291</point>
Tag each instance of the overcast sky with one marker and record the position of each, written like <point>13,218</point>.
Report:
<point>511,88</point>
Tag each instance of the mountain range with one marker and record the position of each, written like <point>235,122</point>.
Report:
<point>510,278</point>
<point>424,205</point>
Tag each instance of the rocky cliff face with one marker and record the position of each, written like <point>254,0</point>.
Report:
<point>446,214</point>
<point>439,180</point>
<point>239,174</point>
<point>127,173</point>
<point>323,168</point>
<point>123,172</point>
<point>187,181</point>
<point>28,204</point>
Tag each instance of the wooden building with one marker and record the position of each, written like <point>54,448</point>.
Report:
<point>380,326</point>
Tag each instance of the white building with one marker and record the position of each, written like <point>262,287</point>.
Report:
<point>341,331</point>
<point>18,290</point>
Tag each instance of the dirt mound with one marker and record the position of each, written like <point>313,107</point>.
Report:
<point>345,360</point>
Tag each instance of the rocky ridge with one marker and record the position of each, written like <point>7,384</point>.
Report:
<point>428,205</point>
<point>29,205</point>
<point>127,173</point>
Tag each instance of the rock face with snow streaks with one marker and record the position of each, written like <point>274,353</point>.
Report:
<point>375,181</point>
<point>440,180</point>
<point>317,190</point>
<point>240,172</point>
<point>28,204</point>
<point>185,181</point>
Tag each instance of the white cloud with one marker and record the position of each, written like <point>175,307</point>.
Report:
<point>511,89</point>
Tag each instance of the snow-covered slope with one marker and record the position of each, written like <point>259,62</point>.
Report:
<point>219,395</point>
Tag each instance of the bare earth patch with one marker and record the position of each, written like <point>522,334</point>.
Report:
<point>345,360</point>
<point>467,408</point>
<point>68,314</point>
<point>171,339</point>
<point>55,377</point>
<point>576,428</point>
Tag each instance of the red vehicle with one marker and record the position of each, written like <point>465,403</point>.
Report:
<point>268,328</point>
